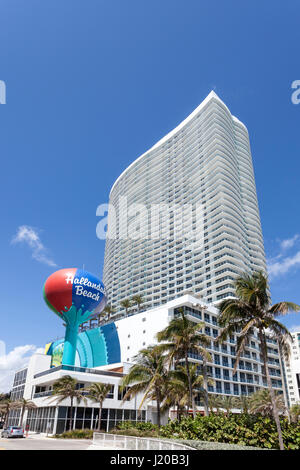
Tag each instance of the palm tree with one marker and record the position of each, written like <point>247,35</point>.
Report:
<point>67,387</point>
<point>3,398</point>
<point>214,402</point>
<point>243,403</point>
<point>126,303</point>
<point>175,396</point>
<point>24,405</point>
<point>109,310</point>
<point>178,383</point>
<point>100,316</point>
<point>5,406</point>
<point>206,356</point>
<point>97,392</point>
<point>295,412</point>
<point>227,403</point>
<point>183,335</point>
<point>148,376</point>
<point>137,300</point>
<point>252,309</point>
<point>261,402</point>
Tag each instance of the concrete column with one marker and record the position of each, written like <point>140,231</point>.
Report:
<point>55,420</point>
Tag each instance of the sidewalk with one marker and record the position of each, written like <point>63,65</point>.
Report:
<point>37,435</point>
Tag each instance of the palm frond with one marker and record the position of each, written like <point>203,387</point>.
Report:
<point>283,308</point>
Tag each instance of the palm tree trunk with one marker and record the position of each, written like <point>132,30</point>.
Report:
<point>6,418</point>
<point>158,407</point>
<point>22,416</point>
<point>269,382</point>
<point>71,417</point>
<point>205,388</point>
<point>193,406</point>
<point>99,419</point>
<point>190,385</point>
<point>177,413</point>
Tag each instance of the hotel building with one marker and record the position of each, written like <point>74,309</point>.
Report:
<point>204,162</point>
<point>292,370</point>
<point>132,334</point>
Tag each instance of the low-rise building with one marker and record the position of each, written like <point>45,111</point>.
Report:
<point>105,353</point>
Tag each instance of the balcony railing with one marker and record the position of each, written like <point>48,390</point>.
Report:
<point>47,393</point>
<point>78,369</point>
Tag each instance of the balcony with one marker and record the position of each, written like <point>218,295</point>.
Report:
<point>77,369</point>
<point>47,393</point>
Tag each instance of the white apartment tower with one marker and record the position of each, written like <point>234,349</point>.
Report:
<point>204,162</point>
<point>292,370</point>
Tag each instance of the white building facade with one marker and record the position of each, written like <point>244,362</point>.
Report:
<point>292,370</point>
<point>54,418</point>
<point>205,164</point>
<point>135,333</point>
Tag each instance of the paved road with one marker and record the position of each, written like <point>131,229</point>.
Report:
<point>44,444</point>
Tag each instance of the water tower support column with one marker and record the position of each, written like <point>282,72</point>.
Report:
<point>69,354</point>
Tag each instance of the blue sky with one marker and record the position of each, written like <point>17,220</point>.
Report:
<point>93,84</point>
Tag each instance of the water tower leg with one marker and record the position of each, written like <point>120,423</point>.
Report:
<point>70,346</point>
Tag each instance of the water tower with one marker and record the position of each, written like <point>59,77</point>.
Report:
<point>75,296</point>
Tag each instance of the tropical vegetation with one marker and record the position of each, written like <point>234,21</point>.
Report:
<point>67,388</point>
<point>147,377</point>
<point>97,392</point>
<point>242,429</point>
<point>261,402</point>
<point>252,310</point>
<point>295,413</point>
<point>138,301</point>
<point>126,303</point>
<point>180,336</point>
<point>108,311</point>
<point>75,434</point>
<point>24,405</point>
<point>176,389</point>
<point>6,404</point>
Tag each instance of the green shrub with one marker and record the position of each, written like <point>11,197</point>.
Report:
<point>243,429</point>
<point>137,429</point>
<point>240,429</point>
<point>140,425</point>
<point>135,432</point>
<point>76,434</point>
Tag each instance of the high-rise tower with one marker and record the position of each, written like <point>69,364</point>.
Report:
<point>204,162</point>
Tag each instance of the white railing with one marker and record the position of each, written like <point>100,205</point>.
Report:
<point>115,441</point>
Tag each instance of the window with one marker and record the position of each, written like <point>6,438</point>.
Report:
<point>225,361</point>
<point>122,392</point>
<point>110,394</point>
<point>217,359</point>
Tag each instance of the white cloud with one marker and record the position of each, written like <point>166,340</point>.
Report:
<point>14,360</point>
<point>281,263</point>
<point>294,328</point>
<point>282,267</point>
<point>289,242</point>
<point>27,234</point>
